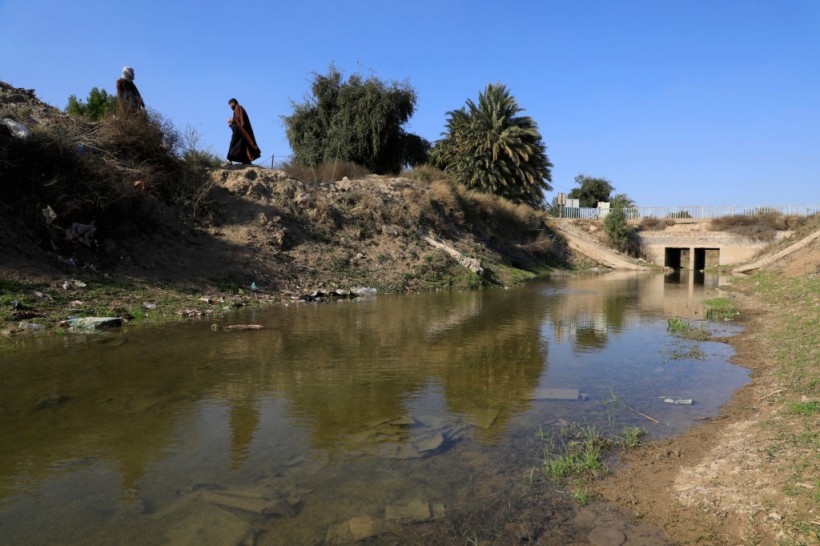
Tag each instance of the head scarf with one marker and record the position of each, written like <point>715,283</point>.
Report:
<point>128,73</point>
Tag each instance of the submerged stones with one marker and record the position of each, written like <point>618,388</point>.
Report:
<point>253,502</point>
<point>209,514</point>
<point>354,530</point>
<point>409,437</point>
<point>415,510</point>
<point>209,525</point>
<point>363,527</point>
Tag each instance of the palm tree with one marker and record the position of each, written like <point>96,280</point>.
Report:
<point>490,148</point>
<point>621,200</point>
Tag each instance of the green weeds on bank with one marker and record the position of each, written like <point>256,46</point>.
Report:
<point>683,328</point>
<point>575,453</point>
<point>721,309</point>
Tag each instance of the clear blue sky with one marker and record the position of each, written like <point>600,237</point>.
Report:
<point>676,102</point>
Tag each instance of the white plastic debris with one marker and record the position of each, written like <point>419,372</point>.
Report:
<point>18,130</point>
<point>49,215</point>
<point>679,401</point>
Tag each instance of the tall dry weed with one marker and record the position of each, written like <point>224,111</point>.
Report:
<point>367,209</point>
<point>542,246</point>
<point>760,227</point>
<point>445,196</point>
<point>425,173</point>
<point>504,217</point>
<point>329,171</point>
<point>656,224</point>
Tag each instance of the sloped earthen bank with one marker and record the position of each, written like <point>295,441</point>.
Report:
<point>748,476</point>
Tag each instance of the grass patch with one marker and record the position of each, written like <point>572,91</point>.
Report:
<point>804,408</point>
<point>795,336</point>
<point>721,309</point>
<point>581,495</point>
<point>577,451</point>
<point>631,437</point>
<point>683,328</point>
<point>794,353</point>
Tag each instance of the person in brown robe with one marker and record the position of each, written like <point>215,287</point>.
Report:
<point>243,148</point>
<point>129,99</point>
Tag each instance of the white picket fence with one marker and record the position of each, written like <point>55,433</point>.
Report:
<point>695,212</point>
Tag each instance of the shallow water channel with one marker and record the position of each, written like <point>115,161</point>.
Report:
<point>339,421</point>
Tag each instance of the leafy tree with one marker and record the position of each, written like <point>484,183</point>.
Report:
<point>95,108</point>
<point>591,190</point>
<point>490,148</point>
<point>358,120</point>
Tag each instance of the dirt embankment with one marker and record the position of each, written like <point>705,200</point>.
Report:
<point>115,216</point>
<point>287,238</point>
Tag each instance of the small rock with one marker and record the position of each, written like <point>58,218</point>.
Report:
<point>208,526</point>
<point>354,530</point>
<point>248,502</point>
<point>606,536</point>
<point>429,443</point>
<point>416,510</point>
<point>438,509</point>
<point>30,326</point>
<point>93,323</point>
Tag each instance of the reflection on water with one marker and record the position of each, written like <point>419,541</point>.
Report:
<point>334,419</point>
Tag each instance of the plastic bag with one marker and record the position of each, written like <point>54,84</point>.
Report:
<point>17,129</point>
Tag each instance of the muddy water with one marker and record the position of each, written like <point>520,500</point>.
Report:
<point>410,419</point>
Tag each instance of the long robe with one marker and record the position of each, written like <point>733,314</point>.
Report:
<point>128,97</point>
<point>243,148</point>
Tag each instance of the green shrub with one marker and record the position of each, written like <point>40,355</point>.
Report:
<point>359,120</point>
<point>617,229</point>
